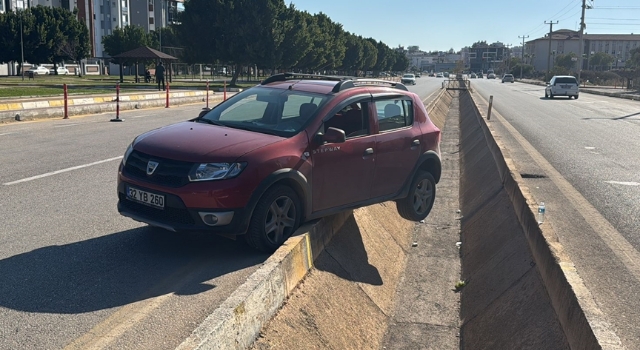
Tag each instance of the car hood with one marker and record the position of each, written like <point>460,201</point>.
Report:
<point>198,142</point>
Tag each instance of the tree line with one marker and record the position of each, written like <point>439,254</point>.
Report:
<point>265,33</point>
<point>48,34</point>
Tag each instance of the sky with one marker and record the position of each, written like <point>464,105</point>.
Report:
<point>439,25</point>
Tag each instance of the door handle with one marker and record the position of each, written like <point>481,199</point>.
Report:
<point>416,142</point>
<point>368,151</point>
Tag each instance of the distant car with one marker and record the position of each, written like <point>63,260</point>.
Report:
<point>446,74</point>
<point>439,75</point>
<point>432,74</point>
<point>562,85</point>
<point>473,76</point>
<point>408,79</point>
<point>491,76</point>
<point>417,75</point>
<point>480,75</point>
<point>61,71</point>
<point>39,70</point>
<point>508,78</point>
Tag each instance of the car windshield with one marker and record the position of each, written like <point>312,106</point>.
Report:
<point>266,110</point>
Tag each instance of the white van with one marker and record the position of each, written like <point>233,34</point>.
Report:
<point>562,85</point>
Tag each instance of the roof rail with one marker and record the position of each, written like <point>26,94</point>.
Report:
<point>343,82</point>
<point>298,76</point>
<point>393,84</point>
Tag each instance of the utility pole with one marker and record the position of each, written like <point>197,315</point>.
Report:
<point>549,53</point>
<point>508,58</point>
<point>522,63</point>
<point>582,27</point>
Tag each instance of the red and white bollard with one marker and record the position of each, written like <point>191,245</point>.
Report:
<point>117,118</point>
<point>207,94</point>
<point>224,98</point>
<point>66,105</point>
<point>167,103</point>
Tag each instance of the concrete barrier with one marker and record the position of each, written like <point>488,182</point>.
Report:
<point>581,321</point>
<point>98,104</point>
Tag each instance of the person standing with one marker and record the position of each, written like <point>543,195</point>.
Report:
<point>160,75</point>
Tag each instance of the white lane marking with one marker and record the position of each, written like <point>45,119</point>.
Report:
<point>631,183</point>
<point>589,148</point>
<point>65,125</point>
<point>140,116</point>
<point>61,171</point>
<point>8,133</point>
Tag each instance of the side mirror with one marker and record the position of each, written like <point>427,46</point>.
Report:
<point>332,135</point>
<point>203,112</point>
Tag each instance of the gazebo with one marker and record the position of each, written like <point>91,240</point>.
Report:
<point>141,54</point>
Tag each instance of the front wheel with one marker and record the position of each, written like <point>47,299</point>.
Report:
<point>276,216</point>
<point>576,97</point>
<point>422,194</point>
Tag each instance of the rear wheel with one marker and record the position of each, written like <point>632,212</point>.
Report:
<point>546,95</point>
<point>417,205</point>
<point>551,95</point>
<point>276,216</point>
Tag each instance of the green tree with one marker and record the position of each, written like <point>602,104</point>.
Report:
<point>74,44</point>
<point>401,62</point>
<point>126,39</point>
<point>297,42</point>
<point>600,60</point>
<point>353,56</point>
<point>566,61</point>
<point>370,55</point>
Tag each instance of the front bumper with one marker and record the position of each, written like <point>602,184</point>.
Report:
<point>177,217</point>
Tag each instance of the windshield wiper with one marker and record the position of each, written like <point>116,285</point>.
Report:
<point>209,121</point>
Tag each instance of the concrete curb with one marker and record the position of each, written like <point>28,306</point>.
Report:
<point>106,106</point>
<point>237,322</point>
<point>582,321</point>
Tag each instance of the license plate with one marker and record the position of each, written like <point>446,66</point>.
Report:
<point>565,86</point>
<point>144,197</point>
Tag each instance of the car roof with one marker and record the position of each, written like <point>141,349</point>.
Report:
<point>325,84</point>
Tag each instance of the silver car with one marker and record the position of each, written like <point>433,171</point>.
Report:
<point>408,79</point>
<point>562,85</point>
<point>508,78</point>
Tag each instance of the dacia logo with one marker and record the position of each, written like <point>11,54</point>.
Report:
<point>326,149</point>
<point>151,167</point>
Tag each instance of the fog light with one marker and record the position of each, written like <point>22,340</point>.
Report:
<point>210,219</point>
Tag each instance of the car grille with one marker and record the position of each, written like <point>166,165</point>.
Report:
<point>171,173</point>
<point>166,215</point>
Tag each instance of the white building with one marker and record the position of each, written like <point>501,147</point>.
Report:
<point>109,15</point>
<point>566,41</point>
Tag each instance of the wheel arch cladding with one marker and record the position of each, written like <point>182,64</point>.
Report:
<point>431,163</point>
<point>291,178</point>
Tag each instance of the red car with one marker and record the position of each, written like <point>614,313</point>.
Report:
<point>294,148</point>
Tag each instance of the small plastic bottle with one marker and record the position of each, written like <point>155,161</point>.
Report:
<point>541,210</point>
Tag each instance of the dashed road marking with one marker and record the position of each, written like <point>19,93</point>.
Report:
<point>630,183</point>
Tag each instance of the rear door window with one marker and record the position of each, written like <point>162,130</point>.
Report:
<point>394,114</point>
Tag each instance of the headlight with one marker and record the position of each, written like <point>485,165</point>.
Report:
<point>127,153</point>
<point>216,171</point>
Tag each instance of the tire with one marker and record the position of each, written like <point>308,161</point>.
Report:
<point>546,95</point>
<point>274,219</point>
<point>422,193</point>
<point>576,97</point>
<point>550,95</point>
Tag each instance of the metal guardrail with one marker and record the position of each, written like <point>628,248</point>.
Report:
<point>457,84</point>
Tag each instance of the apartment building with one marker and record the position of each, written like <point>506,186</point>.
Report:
<point>565,41</point>
<point>108,15</point>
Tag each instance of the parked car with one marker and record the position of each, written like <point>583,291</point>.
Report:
<point>439,75</point>
<point>473,76</point>
<point>562,85</point>
<point>491,76</point>
<point>508,78</point>
<point>39,70</point>
<point>295,148</point>
<point>418,75</point>
<point>480,75</point>
<point>61,71</point>
<point>408,79</point>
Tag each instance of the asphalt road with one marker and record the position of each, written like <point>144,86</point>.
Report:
<point>582,158</point>
<point>73,272</point>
